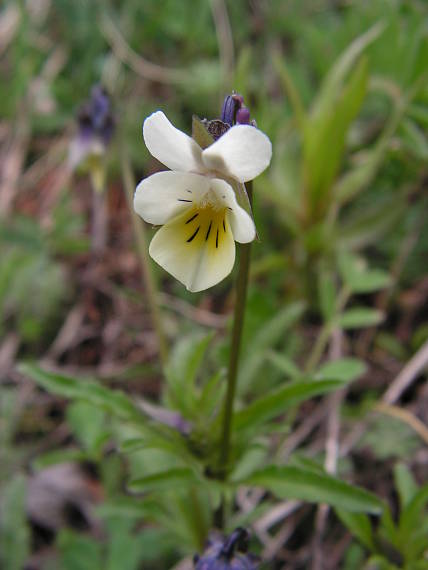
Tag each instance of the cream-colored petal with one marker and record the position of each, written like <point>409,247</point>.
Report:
<point>197,248</point>
<point>241,223</point>
<point>172,147</point>
<point>164,195</point>
<point>243,152</point>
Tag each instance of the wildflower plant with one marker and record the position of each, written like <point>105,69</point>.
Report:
<point>189,454</point>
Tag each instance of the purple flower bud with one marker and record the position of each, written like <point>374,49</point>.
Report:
<point>227,553</point>
<point>230,106</point>
<point>96,118</point>
<point>243,116</point>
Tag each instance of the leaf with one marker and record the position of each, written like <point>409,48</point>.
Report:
<point>359,525</point>
<point>327,294</point>
<point>112,401</point>
<point>164,480</point>
<point>411,515</point>
<point>266,337</point>
<point>358,277</point>
<point>405,484</point>
<point>278,401</point>
<point>306,485</point>
<point>290,90</point>
<point>182,371</point>
<point>344,65</point>
<point>360,317</point>
<point>326,128</point>
<point>88,425</point>
<point>344,369</point>
<point>284,364</point>
<point>78,552</point>
<point>14,531</point>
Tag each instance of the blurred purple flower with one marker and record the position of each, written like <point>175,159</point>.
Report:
<point>227,553</point>
<point>95,128</point>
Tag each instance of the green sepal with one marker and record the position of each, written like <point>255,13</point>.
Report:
<point>200,133</point>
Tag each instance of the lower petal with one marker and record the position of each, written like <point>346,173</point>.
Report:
<point>197,248</point>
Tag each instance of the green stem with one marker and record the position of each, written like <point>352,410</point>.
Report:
<point>141,242</point>
<point>238,322</point>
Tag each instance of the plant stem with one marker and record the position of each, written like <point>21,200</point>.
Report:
<point>238,322</point>
<point>141,242</point>
<point>99,220</point>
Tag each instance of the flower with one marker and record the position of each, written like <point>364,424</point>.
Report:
<point>95,130</point>
<point>195,202</point>
<point>227,553</point>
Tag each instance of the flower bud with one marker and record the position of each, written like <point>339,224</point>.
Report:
<point>228,112</point>
<point>227,553</point>
<point>243,116</point>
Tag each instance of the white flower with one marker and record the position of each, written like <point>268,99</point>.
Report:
<point>194,202</point>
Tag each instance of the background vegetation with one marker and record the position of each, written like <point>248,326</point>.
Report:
<point>338,291</point>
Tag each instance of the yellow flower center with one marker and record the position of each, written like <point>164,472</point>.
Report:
<point>206,224</point>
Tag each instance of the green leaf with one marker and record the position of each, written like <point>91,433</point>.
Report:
<point>59,456</point>
<point>343,66</point>
<point>344,369</point>
<point>327,294</point>
<point>284,364</point>
<point>266,337</point>
<point>112,401</point>
<point>14,531</point>
<point>358,277</point>
<point>164,480</point>
<point>88,424</point>
<point>326,129</point>
<point>278,401</point>
<point>411,515</point>
<point>182,370</point>
<point>360,317</point>
<point>306,485</point>
<point>404,483</point>
<point>290,90</point>
<point>200,133</point>
<point>359,525</point>
<point>78,552</point>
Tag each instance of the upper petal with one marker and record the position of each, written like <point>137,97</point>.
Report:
<point>196,248</point>
<point>243,152</point>
<point>241,223</point>
<point>163,195</point>
<point>172,147</point>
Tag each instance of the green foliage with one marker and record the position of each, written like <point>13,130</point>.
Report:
<point>14,532</point>
<point>402,544</point>
<point>307,485</point>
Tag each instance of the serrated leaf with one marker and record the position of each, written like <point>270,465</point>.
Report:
<point>280,400</point>
<point>344,369</point>
<point>360,317</point>
<point>306,485</point>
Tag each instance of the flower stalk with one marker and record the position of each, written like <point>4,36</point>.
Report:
<point>238,323</point>
<point>146,270</point>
